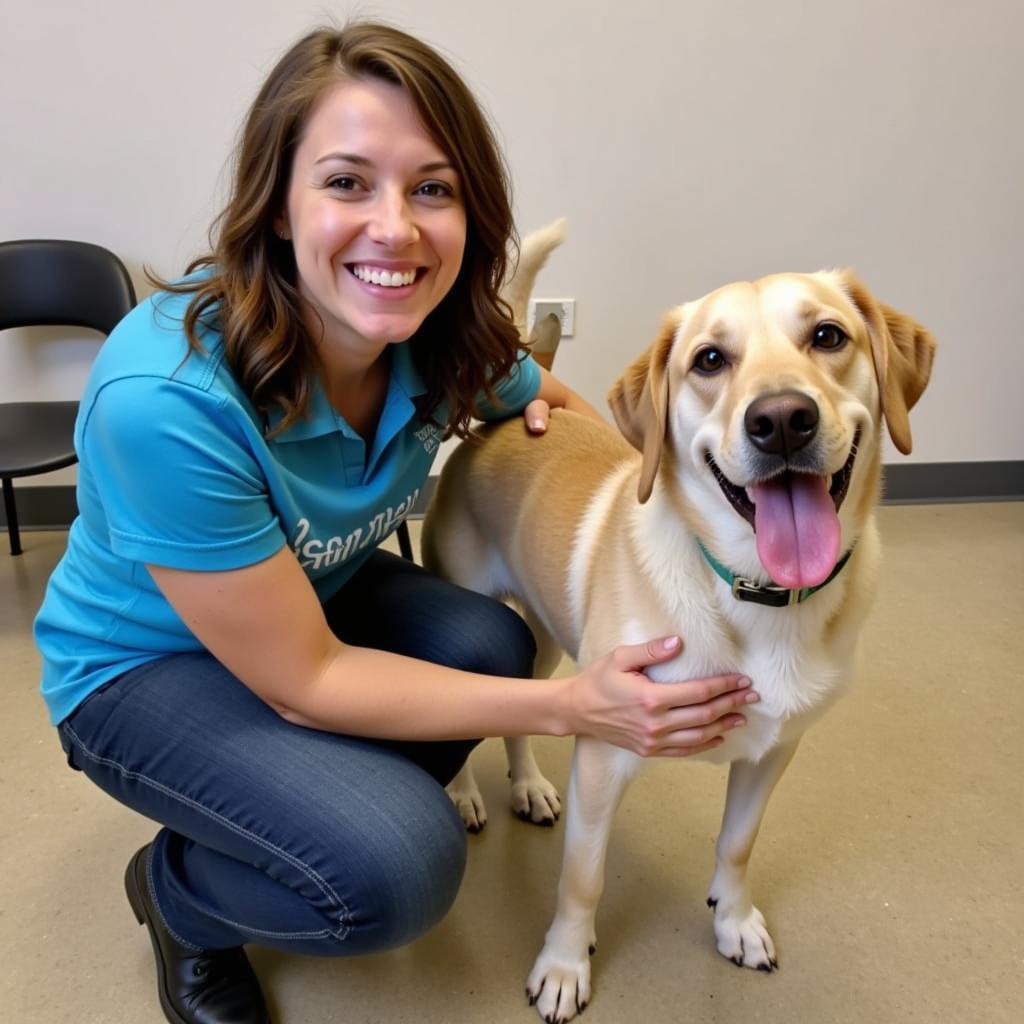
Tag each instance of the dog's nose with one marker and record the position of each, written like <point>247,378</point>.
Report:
<point>781,423</point>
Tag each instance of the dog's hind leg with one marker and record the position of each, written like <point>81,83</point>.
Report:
<point>559,984</point>
<point>453,549</point>
<point>465,794</point>
<point>739,926</point>
<point>534,798</point>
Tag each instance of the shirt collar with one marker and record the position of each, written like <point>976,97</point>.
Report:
<point>404,384</point>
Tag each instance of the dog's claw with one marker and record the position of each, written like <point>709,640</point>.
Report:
<point>533,999</point>
<point>712,903</point>
<point>543,822</point>
<point>767,968</point>
<point>592,948</point>
<point>556,1017</point>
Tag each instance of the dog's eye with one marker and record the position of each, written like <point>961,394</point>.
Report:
<point>829,337</point>
<point>709,360</point>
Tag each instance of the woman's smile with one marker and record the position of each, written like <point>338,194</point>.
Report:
<point>383,279</point>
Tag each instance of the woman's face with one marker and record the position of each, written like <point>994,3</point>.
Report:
<point>375,214</point>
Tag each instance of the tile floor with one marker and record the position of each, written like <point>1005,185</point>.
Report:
<point>889,866</point>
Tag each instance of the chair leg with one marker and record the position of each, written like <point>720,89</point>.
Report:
<point>12,516</point>
<point>405,541</point>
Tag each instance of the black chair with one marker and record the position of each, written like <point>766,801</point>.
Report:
<point>405,541</point>
<point>51,283</point>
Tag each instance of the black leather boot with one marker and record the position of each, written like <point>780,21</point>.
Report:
<point>207,986</point>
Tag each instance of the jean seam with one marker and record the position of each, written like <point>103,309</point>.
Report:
<point>344,914</point>
<point>156,906</point>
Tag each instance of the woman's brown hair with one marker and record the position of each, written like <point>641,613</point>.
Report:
<point>250,290</point>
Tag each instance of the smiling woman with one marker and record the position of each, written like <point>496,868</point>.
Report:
<point>225,649</point>
<point>368,118</point>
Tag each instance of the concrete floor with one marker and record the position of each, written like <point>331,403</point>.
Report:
<point>889,866</point>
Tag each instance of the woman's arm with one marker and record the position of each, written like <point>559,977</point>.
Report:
<point>265,624</point>
<point>554,394</point>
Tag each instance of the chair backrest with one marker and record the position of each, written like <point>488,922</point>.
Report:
<point>55,282</point>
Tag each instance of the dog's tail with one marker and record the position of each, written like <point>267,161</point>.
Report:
<point>533,254</point>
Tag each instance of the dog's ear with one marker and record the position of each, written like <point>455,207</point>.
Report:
<point>639,402</point>
<point>903,353</point>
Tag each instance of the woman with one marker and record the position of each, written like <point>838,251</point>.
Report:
<point>225,649</point>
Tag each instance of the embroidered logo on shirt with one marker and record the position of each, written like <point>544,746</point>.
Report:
<point>430,437</point>
<point>316,554</point>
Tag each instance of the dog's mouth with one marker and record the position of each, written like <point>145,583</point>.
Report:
<point>839,484</point>
<point>795,516</point>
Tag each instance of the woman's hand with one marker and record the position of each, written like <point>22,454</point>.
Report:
<point>612,700</point>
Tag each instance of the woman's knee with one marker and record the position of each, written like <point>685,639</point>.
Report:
<point>406,879</point>
<point>487,637</point>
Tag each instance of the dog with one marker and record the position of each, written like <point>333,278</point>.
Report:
<point>736,510</point>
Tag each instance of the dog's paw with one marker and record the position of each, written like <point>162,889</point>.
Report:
<point>558,986</point>
<point>470,805</point>
<point>534,799</point>
<point>744,939</point>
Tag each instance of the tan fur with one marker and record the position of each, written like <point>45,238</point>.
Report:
<point>503,471</point>
<point>544,340</point>
<point>596,537</point>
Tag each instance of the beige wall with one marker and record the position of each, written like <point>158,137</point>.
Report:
<point>688,143</point>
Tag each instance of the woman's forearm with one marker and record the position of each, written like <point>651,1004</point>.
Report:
<point>558,395</point>
<point>366,692</point>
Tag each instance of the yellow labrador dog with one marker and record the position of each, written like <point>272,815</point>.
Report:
<point>737,513</point>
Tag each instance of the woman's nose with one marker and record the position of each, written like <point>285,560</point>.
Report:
<point>393,223</point>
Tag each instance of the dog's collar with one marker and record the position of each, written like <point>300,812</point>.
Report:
<point>772,596</point>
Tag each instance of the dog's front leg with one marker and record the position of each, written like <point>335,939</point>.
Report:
<point>559,984</point>
<point>739,926</point>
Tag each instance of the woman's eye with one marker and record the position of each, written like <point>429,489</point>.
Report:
<point>829,337</point>
<point>435,190</point>
<point>709,360</point>
<point>344,182</point>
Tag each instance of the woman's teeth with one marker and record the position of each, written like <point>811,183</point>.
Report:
<point>385,278</point>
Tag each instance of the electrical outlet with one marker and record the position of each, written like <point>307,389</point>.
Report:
<point>564,309</point>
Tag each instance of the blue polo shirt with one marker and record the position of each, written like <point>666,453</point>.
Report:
<point>176,471</point>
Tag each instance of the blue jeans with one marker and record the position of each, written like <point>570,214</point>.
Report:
<point>307,841</point>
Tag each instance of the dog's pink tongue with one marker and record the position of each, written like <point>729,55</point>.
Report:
<point>797,529</point>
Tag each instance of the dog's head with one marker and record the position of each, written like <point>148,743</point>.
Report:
<point>762,402</point>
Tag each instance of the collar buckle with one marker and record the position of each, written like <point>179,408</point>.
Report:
<point>776,597</point>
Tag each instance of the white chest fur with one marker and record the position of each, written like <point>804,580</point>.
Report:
<point>799,658</point>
